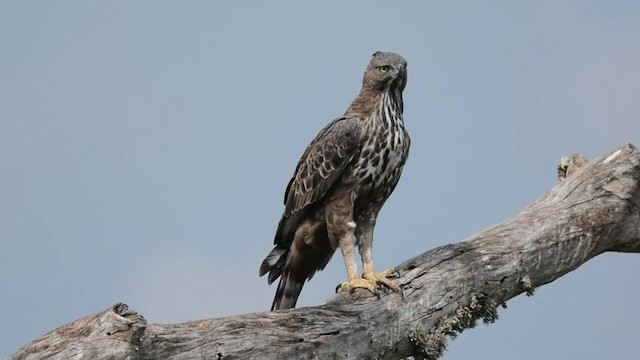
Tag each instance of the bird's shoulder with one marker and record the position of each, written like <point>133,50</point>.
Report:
<point>323,162</point>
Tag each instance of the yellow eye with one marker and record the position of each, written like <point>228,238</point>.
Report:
<point>383,69</point>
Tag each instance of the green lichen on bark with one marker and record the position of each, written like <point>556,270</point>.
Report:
<point>528,285</point>
<point>431,345</point>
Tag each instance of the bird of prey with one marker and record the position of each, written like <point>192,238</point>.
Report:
<point>340,184</point>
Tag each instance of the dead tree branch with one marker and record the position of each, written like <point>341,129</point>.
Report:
<point>595,208</point>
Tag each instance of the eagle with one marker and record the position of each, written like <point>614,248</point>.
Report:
<point>339,186</point>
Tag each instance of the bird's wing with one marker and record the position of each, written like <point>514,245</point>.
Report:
<point>322,163</point>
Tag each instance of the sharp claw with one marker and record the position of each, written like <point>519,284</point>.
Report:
<point>378,284</point>
<point>382,284</point>
<point>397,273</point>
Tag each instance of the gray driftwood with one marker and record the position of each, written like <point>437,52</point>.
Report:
<point>595,208</point>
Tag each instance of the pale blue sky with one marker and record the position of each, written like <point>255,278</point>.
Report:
<point>145,147</point>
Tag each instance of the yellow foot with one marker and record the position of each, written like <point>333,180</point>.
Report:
<point>382,279</point>
<point>371,282</point>
<point>359,283</point>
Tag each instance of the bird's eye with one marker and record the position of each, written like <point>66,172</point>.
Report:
<point>383,69</point>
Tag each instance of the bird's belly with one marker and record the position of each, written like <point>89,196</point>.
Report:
<point>378,174</point>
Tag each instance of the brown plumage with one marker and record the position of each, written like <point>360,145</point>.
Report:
<point>339,186</point>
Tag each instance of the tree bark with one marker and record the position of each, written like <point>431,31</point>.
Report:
<point>595,208</point>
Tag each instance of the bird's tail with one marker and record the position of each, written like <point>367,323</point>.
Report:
<point>288,291</point>
<point>289,287</point>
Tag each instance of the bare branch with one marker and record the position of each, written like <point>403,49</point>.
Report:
<point>594,209</point>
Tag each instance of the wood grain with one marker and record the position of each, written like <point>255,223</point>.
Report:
<point>595,208</point>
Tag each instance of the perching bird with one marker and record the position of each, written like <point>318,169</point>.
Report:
<point>339,186</point>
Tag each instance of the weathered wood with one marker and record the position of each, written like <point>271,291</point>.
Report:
<point>594,209</point>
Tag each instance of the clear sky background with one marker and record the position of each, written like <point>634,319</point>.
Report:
<point>145,147</point>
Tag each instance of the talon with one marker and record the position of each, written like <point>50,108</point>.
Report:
<point>382,279</point>
<point>382,285</point>
<point>390,273</point>
<point>372,282</point>
<point>377,293</point>
<point>350,285</point>
<point>358,283</point>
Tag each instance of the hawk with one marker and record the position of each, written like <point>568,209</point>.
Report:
<point>340,184</point>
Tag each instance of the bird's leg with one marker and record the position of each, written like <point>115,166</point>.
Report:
<point>347,244</point>
<point>365,237</point>
<point>341,230</point>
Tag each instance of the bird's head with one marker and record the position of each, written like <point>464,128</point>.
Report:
<point>386,71</point>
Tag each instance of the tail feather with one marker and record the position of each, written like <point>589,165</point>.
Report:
<point>274,263</point>
<point>287,293</point>
<point>295,261</point>
<point>289,288</point>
